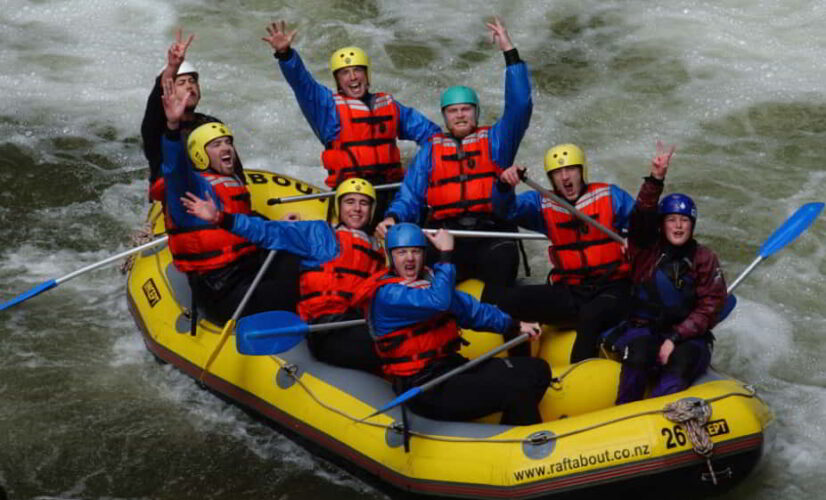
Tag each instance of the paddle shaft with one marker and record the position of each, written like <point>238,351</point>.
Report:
<point>325,194</point>
<point>470,364</point>
<point>238,310</point>
<point>48,285</point>
<point>745,273</point>
<point>113,258</point>
<point>574,211</point>
<point>459,233</point>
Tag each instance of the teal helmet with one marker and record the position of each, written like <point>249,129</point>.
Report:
<point>460,94</point>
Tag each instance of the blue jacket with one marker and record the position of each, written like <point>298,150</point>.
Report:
<point>504,138</point>
<point>526,209</point>
<point>396,306</point>
<point>313,240</point>
<point>179,177</point>
<point>317,104</point>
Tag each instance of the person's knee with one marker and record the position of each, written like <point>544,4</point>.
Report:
<point>500,262</point>
<point>686,360</point>
<point>641,352</point>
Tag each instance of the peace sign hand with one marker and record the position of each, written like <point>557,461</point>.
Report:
<point>177,52</point>
<point>659,165</point>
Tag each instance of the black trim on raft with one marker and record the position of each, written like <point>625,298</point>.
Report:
<point>674,476</point>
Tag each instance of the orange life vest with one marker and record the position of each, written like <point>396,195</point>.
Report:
<point>580,253</point>
<point>366,145</point>
<point>329,289</point>
<point>406,351</point>
<point>462,176</point>
<point>208,247</point>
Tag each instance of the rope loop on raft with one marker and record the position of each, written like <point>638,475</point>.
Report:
<point>693,414</point>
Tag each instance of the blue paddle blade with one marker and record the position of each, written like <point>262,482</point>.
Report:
<point>47,285</point>
<point>791,229</point>
<point>270,332</point>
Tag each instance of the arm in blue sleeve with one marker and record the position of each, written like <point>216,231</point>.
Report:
<point>507,133</point>
<point>415,126</point>
<point>525,210</point>
<point>479,316</point>
<point>623,205</point>
<point>313,240</point>
<point>412,195</point>
<point>315,100</point>
<point>396,305</point>
<point>180,177</point>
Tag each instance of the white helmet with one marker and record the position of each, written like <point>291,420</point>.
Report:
<point>186,68</point>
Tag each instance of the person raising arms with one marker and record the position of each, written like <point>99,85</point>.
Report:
<point>455,173</point>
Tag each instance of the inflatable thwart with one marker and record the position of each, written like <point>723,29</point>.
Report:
<point>697,442</point>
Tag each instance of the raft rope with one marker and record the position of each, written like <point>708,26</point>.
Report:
<point>693,415</point>
<point>291,369</point>
<point>139,236</point>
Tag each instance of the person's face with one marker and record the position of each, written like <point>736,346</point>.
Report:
<point>408,261</point>
<point>460,119</point>
<point>352,81</point>
<point>567,181</point>
<point>187,85</point>
<point>221,154</point>
<point>354,210</point>
<point>677,229</point>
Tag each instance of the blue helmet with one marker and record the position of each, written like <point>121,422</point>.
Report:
<point>677,203</point>
<point>404,234</point>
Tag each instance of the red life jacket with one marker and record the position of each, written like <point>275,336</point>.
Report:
<point>329,289</point>
<point>580,253</point>
<point>157,191</point>
<point>366,145</point>
<point>208,247</point>
<point>461,178</point>
<point>406,351</point>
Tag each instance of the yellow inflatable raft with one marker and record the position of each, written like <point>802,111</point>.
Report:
<point>710,441</point>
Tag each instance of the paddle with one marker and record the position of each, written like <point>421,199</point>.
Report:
<point>48,285</point>
<point>460,233</point>
<point>231,323</point>
<point>415,391</point>
<point>255,334</point>
<point>573,210</point>
<point>325,194</point>
<point>782,236</point>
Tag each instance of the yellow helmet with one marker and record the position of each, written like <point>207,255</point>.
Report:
<point>200,137</point>
<point>349,56</point>
<point>358,186</point>
<point>566,155</point>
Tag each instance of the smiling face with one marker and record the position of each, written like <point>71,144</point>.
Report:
<point>221,154</point>
<point>567,181</point>
<point>460,119</point>
<point>408,261</point>
<point>187,85</point>
<point>352,81</point>
<point>354,210</point>
<point>677,229</point>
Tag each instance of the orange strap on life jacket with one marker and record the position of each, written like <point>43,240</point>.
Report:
<point>462,175</point>
<point>581,253</point>
<point>366,144</point>
<point>329,288</point>
<point>208,247</point>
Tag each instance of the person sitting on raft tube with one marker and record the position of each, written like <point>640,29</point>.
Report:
<point>589,282</point>
<point>414,315</point>
<point>335,261</point>
<point>455,173</point>
<point>679,291</point>
<point>185,79</point>
<point>220,266</point>
<point>358,128</point>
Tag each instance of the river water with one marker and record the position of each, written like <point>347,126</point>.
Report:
<point>85,412</point>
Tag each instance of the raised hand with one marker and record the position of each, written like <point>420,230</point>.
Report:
<point>279,39</point>
<point>202,209</point>
<point>659,165</point>
<point>442,240</point>
<point>513,175</point>
<point>176,54</point>
<point>499,35</point>
<point>174,105</point>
